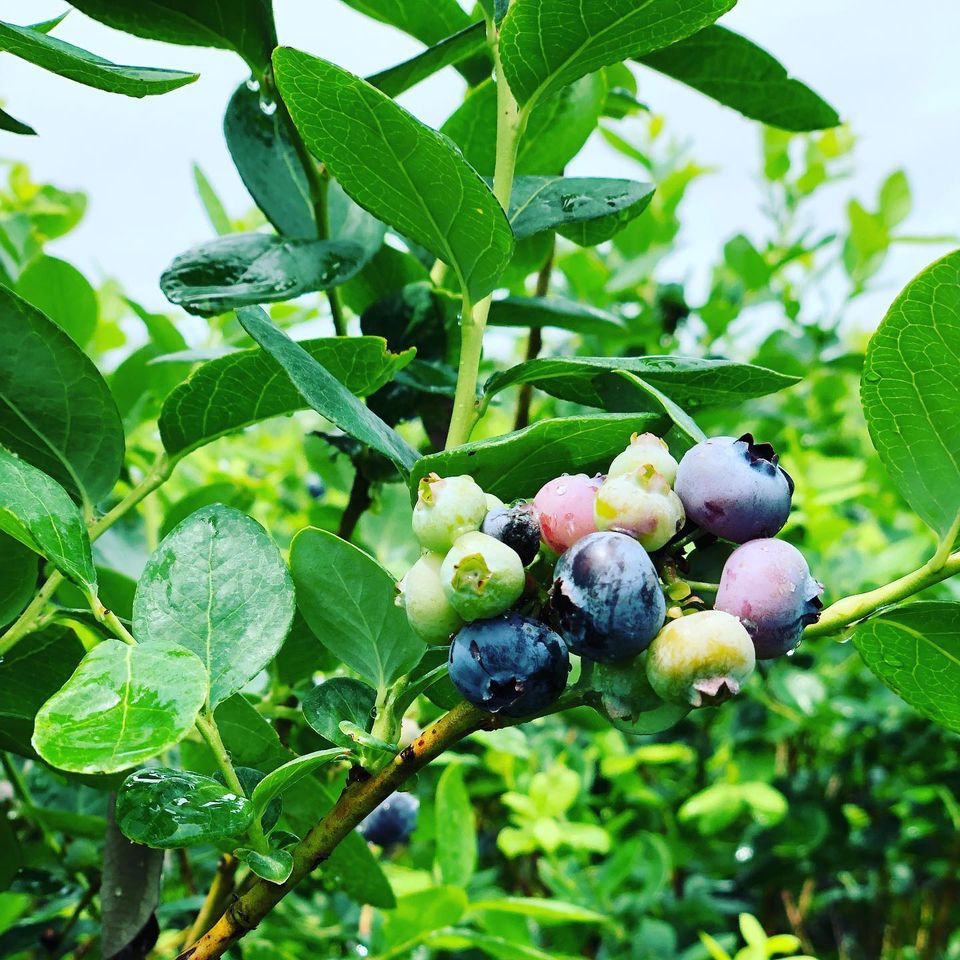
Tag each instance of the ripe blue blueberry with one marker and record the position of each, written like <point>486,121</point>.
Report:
<point>393,821</point>
<point>518,527</point>
<point>606,597</point>
<point>509,664</point>
<point>734,488</point>
<point>768,586</point>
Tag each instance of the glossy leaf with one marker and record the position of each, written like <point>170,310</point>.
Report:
<point>453,49</point>
<point>554,312</point>
<point>688,381</point>
<point>518,464</point>
<point>272,865</point>
<point>587,210</point>
<point>325,394</point>
<point>13,125</point>
<point>19,565</point>
<point>167,809</point>
<point>555,131</point>
<point>543,911</point>
<point>59,290</point>
<point>245,387</point>
<point>65,422</point>
<point>37,511</point>
<point>403,172</point>
<point>911,394</point>
<point>420,913</point>
<point>78,64</point>
<point>245,26</point>
<point>651,395</point>
<point>122,706</point>
<point>737,73</point>
<point>456,828</point>
<point>35,669</point>
<point>336,699</point>
<point>915,650</point>
<point>218,586</point>
<point>348,600</point>
<point>546,44</point>
<point>275,782</point>
<point>243,269</point>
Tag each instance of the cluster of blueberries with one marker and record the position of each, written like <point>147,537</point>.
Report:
<point>510,631</point>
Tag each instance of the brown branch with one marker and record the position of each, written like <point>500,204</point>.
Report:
<point>356,505</point>
<point>218,896</point>
<point>356,801</point>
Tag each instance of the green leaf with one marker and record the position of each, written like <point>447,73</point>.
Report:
<point>456,828</point>
<point>74,63</point>
<point>212,204</point>
<point>896,201</point>
<point>915,650</point>
<point>554,312</point>
<point>348,600</point>
<point>166,808</point>
<point>13,125</point>
<point>459,941</point>
<point>37,511</point>
<point>325,394</point>
<point>736,72</point>
<point>587,210</point>
<point>518,464</point>
<point>688,381</point>
<point>336,699</point>
<point>403,172</point>
<point>273,865</point>
<point>59,290</point>
<point>430,23</point>
<point>243,269</point>
<point>418,914</point>
<point>245,26</point>
<point>275,782</point>
<point>122,706</point>
<point>269,164</point>
<point>199,410</point>
<point>585,36</point>
<point>447,52</point>
<point>554,134</point>
<point>911,394</point>
<point>218,586</point>
<point>35,669</point>
<point>65,421</point>
<point>19,565</point>
<point>543,911</point>
<point>11,858</point>
<point>650,394</point>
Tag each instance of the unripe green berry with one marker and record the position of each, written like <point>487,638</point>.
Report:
<point>429,612</point>
<point>481,576</point>
<point>646,449</point>
<point>446,509</point>
<point>640,504</point>
<point>701,659</point>
<point>493,502</point>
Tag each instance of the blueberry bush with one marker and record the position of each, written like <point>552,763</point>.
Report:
<point>373,643</point>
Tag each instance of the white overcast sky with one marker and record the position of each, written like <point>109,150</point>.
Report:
<point>892,70</point>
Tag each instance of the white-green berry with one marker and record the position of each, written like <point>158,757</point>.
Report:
<point>640,504</point>
<point>446,509</point>
<point>646,449</point>
<point>482,576</point>
<point>701,659</point>
<point>429,612</point>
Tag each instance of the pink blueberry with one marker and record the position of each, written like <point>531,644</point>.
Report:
<point>566,509</point>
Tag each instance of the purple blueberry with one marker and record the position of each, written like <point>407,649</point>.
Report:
<point>606,597</point>
<point>393,821</point>
<point>509,664</point>
<point>735,489</point>
<point>768,586</point>
<point>518,527</point>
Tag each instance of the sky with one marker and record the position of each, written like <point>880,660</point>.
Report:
<point>892,72</point>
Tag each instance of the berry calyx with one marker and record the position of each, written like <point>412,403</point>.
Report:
<point>701,659</point>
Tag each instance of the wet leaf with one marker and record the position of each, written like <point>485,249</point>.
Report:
<point>122,706</point>
<point>218,586</point>
<point>554,312</point>
<point>167,808</point>
<point>273,865</point>
<point>337,699</point>
<point>285,776</point>
<point>20,569</point>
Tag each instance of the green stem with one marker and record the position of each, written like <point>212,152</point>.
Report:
<point>210,732</point>
<point>109,619</point>
<point>849,610</point>
<point>27,620</point>
<point>511,122</point>
<point>702,586</point>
